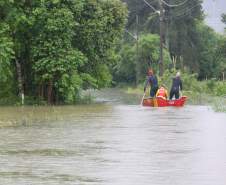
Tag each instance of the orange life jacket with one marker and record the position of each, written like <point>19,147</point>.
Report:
<point>162,93</point>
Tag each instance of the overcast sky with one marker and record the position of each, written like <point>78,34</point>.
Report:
<point>213,10</point>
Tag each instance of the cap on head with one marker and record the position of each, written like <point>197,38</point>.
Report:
<point>178,74</point>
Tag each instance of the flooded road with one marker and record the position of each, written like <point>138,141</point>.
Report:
<point>112,144</point>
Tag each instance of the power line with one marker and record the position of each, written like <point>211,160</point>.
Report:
<point>173,5</point>
<point>152,7</point>
<point>182,14</point>
<point>133,17</point>
<point>135,37</point>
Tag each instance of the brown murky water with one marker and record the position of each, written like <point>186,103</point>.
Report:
<point>112,144</point>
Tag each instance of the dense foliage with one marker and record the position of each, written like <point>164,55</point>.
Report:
<point>51,49</point>
<point>192,45</point>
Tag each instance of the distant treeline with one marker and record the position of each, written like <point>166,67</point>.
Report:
<point>50,50</point>
<point>189,44</point>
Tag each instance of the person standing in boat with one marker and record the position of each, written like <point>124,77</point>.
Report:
<point>153,82</point>
<point>176,87</point>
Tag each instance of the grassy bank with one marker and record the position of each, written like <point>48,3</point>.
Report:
<point>83,98</point>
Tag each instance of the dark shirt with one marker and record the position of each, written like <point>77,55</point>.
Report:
<point>177,84</point>
<point>152,80</point>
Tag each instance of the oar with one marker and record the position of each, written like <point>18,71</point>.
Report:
<point>142,98</point>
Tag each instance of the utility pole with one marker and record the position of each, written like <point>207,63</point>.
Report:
<point>161,32</point>
<point>20,81</point>
<point>161,29</point>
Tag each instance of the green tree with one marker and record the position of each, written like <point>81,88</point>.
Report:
<point>180,30</point>
<point>72,45</point>
<point>207,47</point>
<point>220,56</point>
<point>148,56</point>
<point>54,58</point>
<point>55,48</point>
<point>223,18</point>
<point>181,33</point>
<point>100,25</point>
<point>6,55</point>
<point>16,15</point>
<point>125,68</point>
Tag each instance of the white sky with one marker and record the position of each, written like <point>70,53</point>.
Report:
<point>213,10</point>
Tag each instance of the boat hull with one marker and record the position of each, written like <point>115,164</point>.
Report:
<point>161,102</point>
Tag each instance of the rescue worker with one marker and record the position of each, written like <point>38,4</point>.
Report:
<point>153,82</point>
<point>162,92</point>
<point>176,87</point>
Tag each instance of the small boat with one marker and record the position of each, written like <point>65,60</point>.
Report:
<point>161,102</point>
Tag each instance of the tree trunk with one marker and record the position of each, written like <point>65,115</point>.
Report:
<point>20,81</point>
<point>50,89</point>
<point>41,91</point>
<point>174,62</point>
<point>162,39</point>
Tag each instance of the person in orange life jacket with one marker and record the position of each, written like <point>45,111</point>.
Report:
<point>176,87</point>
<point>162,92</point>
<point>153,82</point>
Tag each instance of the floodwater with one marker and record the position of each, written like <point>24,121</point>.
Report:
<point>112,144</point>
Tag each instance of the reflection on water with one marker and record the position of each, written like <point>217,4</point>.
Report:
<point>112,144</point>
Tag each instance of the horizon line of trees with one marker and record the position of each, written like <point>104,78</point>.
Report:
<point>191,45</point>
<point>50,50</point>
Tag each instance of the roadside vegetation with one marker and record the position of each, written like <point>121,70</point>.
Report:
<point>50,50</point>
<point>206,92</point>
<point>53,50</point>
